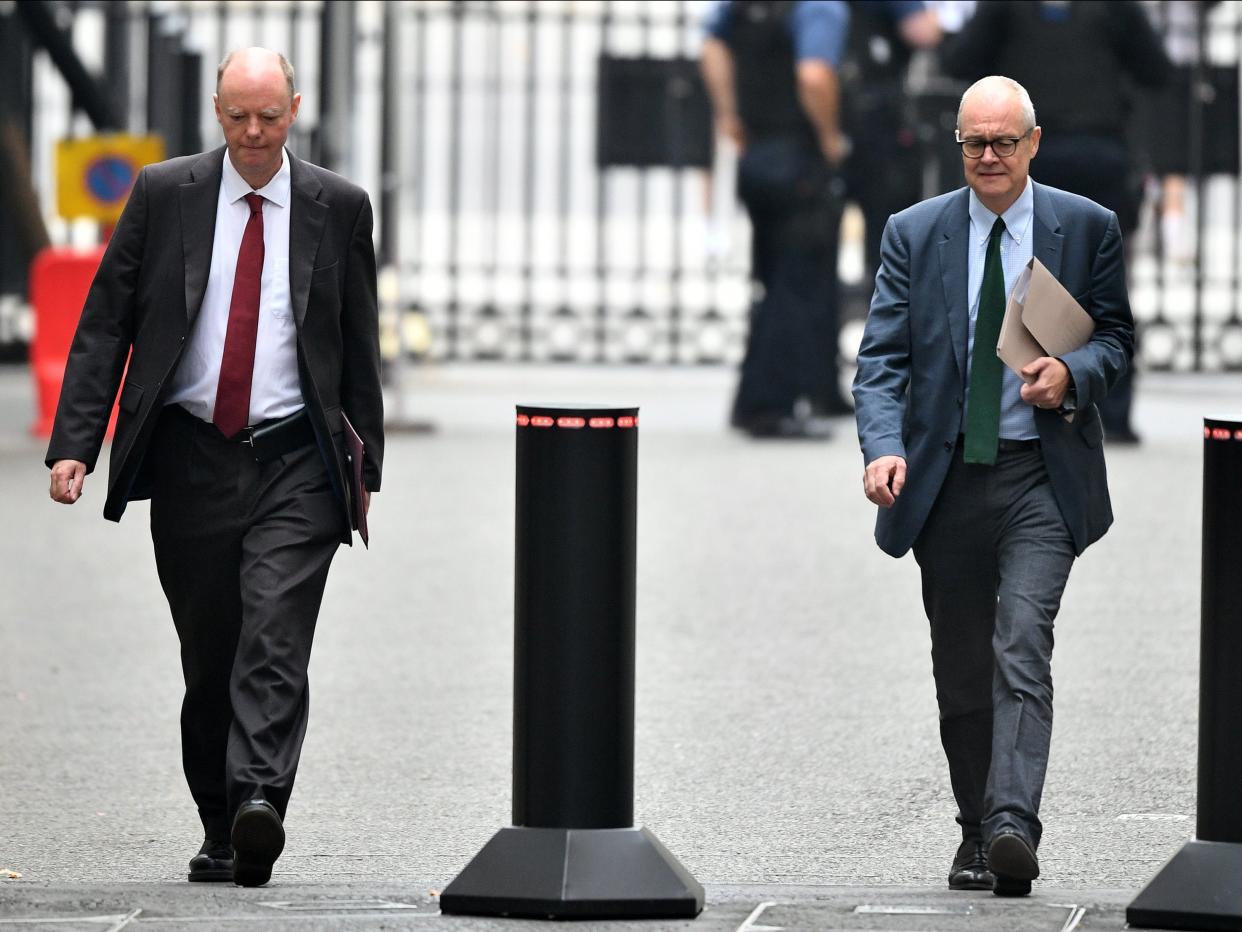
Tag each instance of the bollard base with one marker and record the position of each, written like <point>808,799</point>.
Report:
<point>1199,888</point>
<point>574,874</point>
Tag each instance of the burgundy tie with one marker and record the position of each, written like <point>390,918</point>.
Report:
<point>237,366</point>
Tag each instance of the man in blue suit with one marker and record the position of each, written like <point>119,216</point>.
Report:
<point>996,480</point>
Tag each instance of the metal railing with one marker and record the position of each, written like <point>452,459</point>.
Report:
<point>542,171</point>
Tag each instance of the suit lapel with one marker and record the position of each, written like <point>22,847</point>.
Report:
<point>306,223</point>
<point>199,198</point>
<point>1048,237</point>
<point>953,233</point>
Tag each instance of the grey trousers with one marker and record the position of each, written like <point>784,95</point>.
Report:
<point>243,552</point>
<point>995,555</point>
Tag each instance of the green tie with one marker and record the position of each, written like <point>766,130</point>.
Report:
<point>983,413</point>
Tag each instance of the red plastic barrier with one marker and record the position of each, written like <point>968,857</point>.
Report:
<point>59,280</point>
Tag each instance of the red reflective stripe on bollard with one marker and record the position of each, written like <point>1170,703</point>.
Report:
<point>602,422</point>
<point>541,420</point>
<point>627,422</point>
<point>1221,433</point>
<point>522,420</point>
<point>574,422</point>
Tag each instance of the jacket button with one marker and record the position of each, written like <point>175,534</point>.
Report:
<point>948,446</point>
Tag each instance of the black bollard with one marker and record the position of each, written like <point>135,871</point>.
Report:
<point>1201,886</point>
<point>573,850</point>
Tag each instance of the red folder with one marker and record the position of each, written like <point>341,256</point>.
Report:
<point>354,448</point>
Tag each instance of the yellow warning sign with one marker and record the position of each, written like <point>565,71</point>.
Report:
<point>94,175</point>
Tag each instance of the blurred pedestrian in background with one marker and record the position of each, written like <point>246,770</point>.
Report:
<point>1080,60</point>
<point>1180,23</point>
<point>771,73</point>
<point>979,469</point>
<point>243,281</point>
<point>884,170</point>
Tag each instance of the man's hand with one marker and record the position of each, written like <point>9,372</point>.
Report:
<point>883,480</point>
<point>67,479</point>
<point>730,126</point>
<point>835,148</point>
<point>1047,380</point>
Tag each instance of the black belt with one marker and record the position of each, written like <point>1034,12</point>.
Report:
<point>268,440</point>
<point>1005,445</point>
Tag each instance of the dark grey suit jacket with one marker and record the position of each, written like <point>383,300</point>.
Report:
<point>911,382</point>
<point>147,294</point>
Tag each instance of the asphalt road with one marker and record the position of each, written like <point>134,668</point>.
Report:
<point>787,748</point>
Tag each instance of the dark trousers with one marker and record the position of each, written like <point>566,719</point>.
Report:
<point>795,215</point>
<point>243,551</point>
<point>995,555</point>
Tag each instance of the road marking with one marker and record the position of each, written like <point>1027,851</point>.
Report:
<point>124,921</point>
<point>117,921</point>
<point>749,924</point>
<point>329,905</point>
<point>914,910</point>
<point>270,919</point>
<point>1151,817</point>
<point>1075,917</point>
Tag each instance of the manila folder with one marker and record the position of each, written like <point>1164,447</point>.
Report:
<point>1041,319</point>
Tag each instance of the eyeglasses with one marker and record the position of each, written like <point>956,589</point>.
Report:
<point>1002,146</point>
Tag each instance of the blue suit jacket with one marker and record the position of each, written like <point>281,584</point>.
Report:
<point>911,380</point>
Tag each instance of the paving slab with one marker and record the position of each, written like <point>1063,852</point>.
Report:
<point>393,905</point>
<point>786,738</point>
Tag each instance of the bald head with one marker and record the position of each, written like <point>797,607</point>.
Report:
<point>256,63</point>
<point>255,106</point>
<point>998,92</point>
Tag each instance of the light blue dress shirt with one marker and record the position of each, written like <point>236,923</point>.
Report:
<point>1017,418</point>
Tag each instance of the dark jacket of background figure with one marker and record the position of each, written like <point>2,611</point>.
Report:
<point>1081,63</point>
<point>884,171</point>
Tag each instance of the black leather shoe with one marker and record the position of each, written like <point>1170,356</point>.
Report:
<point>213,863</point>
<point>970,867</point>
<point>1013,861</point>
<point>783,427</point>
<point>1123,437</point>
<point>834,406</point>
<point>258,839</point>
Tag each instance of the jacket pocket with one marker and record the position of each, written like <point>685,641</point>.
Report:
<point>1092,429</point>
<point>131,397</point>
<point>332,415</point>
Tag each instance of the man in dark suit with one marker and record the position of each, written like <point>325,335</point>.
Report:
<point>243,282</point>
<point>985,473</point>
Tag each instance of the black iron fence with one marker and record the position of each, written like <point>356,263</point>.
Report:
<point>545,181</point>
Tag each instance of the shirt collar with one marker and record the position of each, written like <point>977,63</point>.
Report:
<point>277,190</point>
<point>1017,217</point>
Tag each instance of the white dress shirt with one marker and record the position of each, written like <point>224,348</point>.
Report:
<point>275,390</point>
